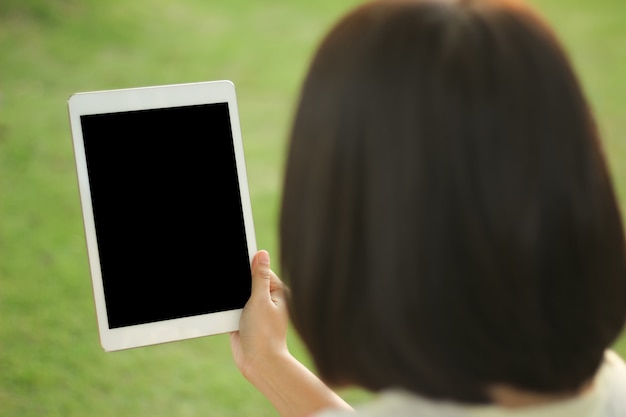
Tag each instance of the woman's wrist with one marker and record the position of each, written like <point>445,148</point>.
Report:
<point>267,366</point>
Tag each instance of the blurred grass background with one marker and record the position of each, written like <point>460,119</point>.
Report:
<point>51,363</point>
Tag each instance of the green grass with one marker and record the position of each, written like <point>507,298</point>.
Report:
<point>50,361</point>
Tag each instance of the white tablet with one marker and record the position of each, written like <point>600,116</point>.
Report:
<point>166,210</point>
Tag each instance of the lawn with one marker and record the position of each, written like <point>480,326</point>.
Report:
<point>51,363</point>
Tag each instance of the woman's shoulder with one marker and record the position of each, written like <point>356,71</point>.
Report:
<point>608,400</point>
<point>615,365</point>
<point>612,379</point>
<point>400,404</point>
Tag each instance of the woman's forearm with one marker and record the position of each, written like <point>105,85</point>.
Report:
<point>293,389</point>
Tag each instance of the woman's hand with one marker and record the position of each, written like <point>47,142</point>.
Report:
<point>260,350</point>
<point>263,326</point>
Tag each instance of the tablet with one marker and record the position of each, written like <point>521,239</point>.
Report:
<point>166,210</point>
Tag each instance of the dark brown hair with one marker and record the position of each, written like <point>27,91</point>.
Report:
<point>448,221</point>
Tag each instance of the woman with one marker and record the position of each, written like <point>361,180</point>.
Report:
<point>449,230</point>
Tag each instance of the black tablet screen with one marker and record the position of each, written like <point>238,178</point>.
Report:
<point>167,213</point>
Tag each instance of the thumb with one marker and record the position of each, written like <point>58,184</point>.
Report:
<point>261,277</point>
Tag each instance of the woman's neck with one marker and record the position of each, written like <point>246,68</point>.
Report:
<point>508,397</point>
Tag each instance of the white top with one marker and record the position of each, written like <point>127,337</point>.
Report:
<point>607,398</point>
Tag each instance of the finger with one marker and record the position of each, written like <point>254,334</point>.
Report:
<point>261,273</point>
<point>275,283</point>
<point>277,289</point>
<point>234,339</point>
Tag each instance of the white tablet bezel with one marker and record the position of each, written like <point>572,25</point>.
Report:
<point>143,98</point>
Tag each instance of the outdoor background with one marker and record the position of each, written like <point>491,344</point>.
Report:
<point>51,363</point>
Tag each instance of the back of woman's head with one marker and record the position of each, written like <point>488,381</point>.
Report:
<point>448,222</point>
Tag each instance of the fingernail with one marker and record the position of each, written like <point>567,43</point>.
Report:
<point>263,258</point>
